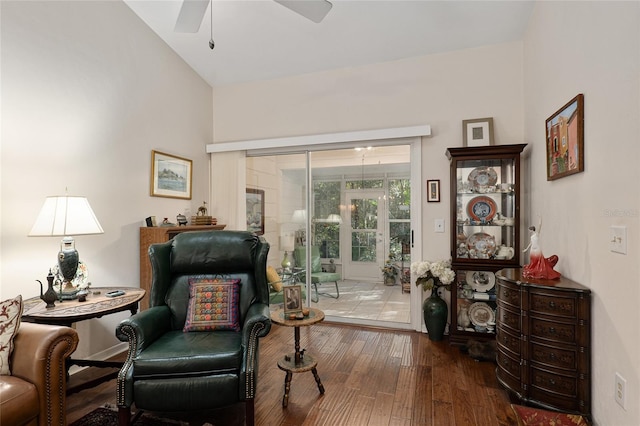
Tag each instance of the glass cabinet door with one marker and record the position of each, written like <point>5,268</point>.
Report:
<point>485,209</point>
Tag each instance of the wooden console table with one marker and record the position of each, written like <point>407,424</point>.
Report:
<point>68,312</point>
<point>160,234</point>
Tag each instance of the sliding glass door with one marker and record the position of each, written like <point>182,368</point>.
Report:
<point>349,211</point>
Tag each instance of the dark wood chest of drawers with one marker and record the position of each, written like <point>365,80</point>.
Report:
<point>543,334</point>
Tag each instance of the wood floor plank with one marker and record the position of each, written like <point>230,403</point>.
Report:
<point>371,377</point>
<point>382,407</point>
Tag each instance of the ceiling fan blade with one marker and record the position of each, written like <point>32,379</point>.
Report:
<point>190,17</point>
<point>314,10</point>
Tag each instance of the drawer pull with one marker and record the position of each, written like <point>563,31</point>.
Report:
<point>552,355</point>
<point>552,304</point>
<point>553,382</point>
<point>552,329</point>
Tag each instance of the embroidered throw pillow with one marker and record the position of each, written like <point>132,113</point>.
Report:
<point>213,305</point>
<point>10,313</point>
<point>274,279</point>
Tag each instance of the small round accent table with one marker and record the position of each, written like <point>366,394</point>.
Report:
<point>299,361</point>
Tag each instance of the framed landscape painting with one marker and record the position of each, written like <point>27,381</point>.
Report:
<point>170,176</point>
<point>564,132</point>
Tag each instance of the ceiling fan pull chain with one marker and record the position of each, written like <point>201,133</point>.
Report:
<point>211,43</point>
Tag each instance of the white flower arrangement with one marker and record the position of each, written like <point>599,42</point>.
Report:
<point>433,274</point>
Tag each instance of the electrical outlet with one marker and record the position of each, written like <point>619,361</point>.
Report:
<point>621,388</point>
<point>618,239</point>
<point>438,225</point>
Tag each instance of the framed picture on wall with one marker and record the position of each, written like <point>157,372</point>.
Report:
<point>170,176</point>
<point>565,139</point>
<point>255,210</point>
<point>477,132</point>
<point>433,191</point>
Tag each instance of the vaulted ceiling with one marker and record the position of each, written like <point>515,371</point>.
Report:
<point>261,39</point>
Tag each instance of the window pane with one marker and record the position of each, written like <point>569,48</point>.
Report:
<point>363,246</point>
<point>364,184</point>
<point>399,233</point>
<point>326,202</point>
<point>399,199</point>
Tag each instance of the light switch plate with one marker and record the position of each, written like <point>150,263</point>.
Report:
<point>438,225</point>
<point>618,239</point>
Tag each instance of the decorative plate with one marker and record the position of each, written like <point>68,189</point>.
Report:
<point>481,281</point>
<point>481,243</point>
<point>481,314</point>
<point>482,209</point>
<point>481,178</point>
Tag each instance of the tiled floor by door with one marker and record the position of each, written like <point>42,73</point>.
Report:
<point>365,300</point>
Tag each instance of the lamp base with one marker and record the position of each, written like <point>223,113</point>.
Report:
<point>68,291</point>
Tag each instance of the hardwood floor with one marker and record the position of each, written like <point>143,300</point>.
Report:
<point>371,377</point>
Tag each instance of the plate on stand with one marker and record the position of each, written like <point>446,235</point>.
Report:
<point>482,209</point>
<point>481,314</point>
<point>481,281</point>
<point>481,178</point>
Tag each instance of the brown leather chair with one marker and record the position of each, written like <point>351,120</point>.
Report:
<point>34,393</point>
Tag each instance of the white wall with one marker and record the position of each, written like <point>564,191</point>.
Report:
<point>440,90</point>
<point>592,48</point>
<point>87,92</point>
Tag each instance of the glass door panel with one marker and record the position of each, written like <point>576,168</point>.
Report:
<point>366,235</point>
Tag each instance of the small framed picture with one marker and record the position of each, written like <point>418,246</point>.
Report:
<point>170,176</point>
<point>433,191</point>
<point>255,210</point>
<point>292,299</point>
<point>477,132</point>
<point>565,139</point>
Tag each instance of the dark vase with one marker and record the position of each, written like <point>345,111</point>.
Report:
<point>435,312</point>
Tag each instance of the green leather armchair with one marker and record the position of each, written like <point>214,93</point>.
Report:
<point>170,370</point>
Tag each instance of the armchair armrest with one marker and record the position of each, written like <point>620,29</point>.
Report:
<point>143,328</point>
<point>257,324</point>
<point>39,356</point>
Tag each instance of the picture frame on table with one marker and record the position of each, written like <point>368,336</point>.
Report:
<point>477,132</point>
<point>433,191</point>
<point>170,176</point>
<point>292,295</point>
<point>564,135</point>
<point>255,210</point>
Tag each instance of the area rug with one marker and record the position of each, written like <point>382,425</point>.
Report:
<point>528,416</point>
<point>107,417</point>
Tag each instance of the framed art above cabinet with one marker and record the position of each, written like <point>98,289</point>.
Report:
<point>485,233</point>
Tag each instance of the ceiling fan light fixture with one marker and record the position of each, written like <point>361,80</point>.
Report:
<point>190,16</point>
<point>314,10</point>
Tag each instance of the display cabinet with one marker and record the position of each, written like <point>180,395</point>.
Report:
<point>485,233</point>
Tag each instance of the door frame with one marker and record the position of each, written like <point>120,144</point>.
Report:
<point>221,164</point>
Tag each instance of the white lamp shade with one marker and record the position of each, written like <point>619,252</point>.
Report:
<point>64,215</point>
<point>299,216</point>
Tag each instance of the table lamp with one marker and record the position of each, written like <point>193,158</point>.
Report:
<point>300,217</point>
<point>65,216</point>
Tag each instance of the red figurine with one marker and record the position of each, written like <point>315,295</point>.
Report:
<point>539,266</point>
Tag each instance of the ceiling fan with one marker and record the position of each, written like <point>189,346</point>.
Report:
<point>192,12</point>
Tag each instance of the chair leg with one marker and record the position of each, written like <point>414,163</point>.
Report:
<point>337,295</point>
<point>249,412</point>
<point>315,287</point>
<point>124,416</point>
